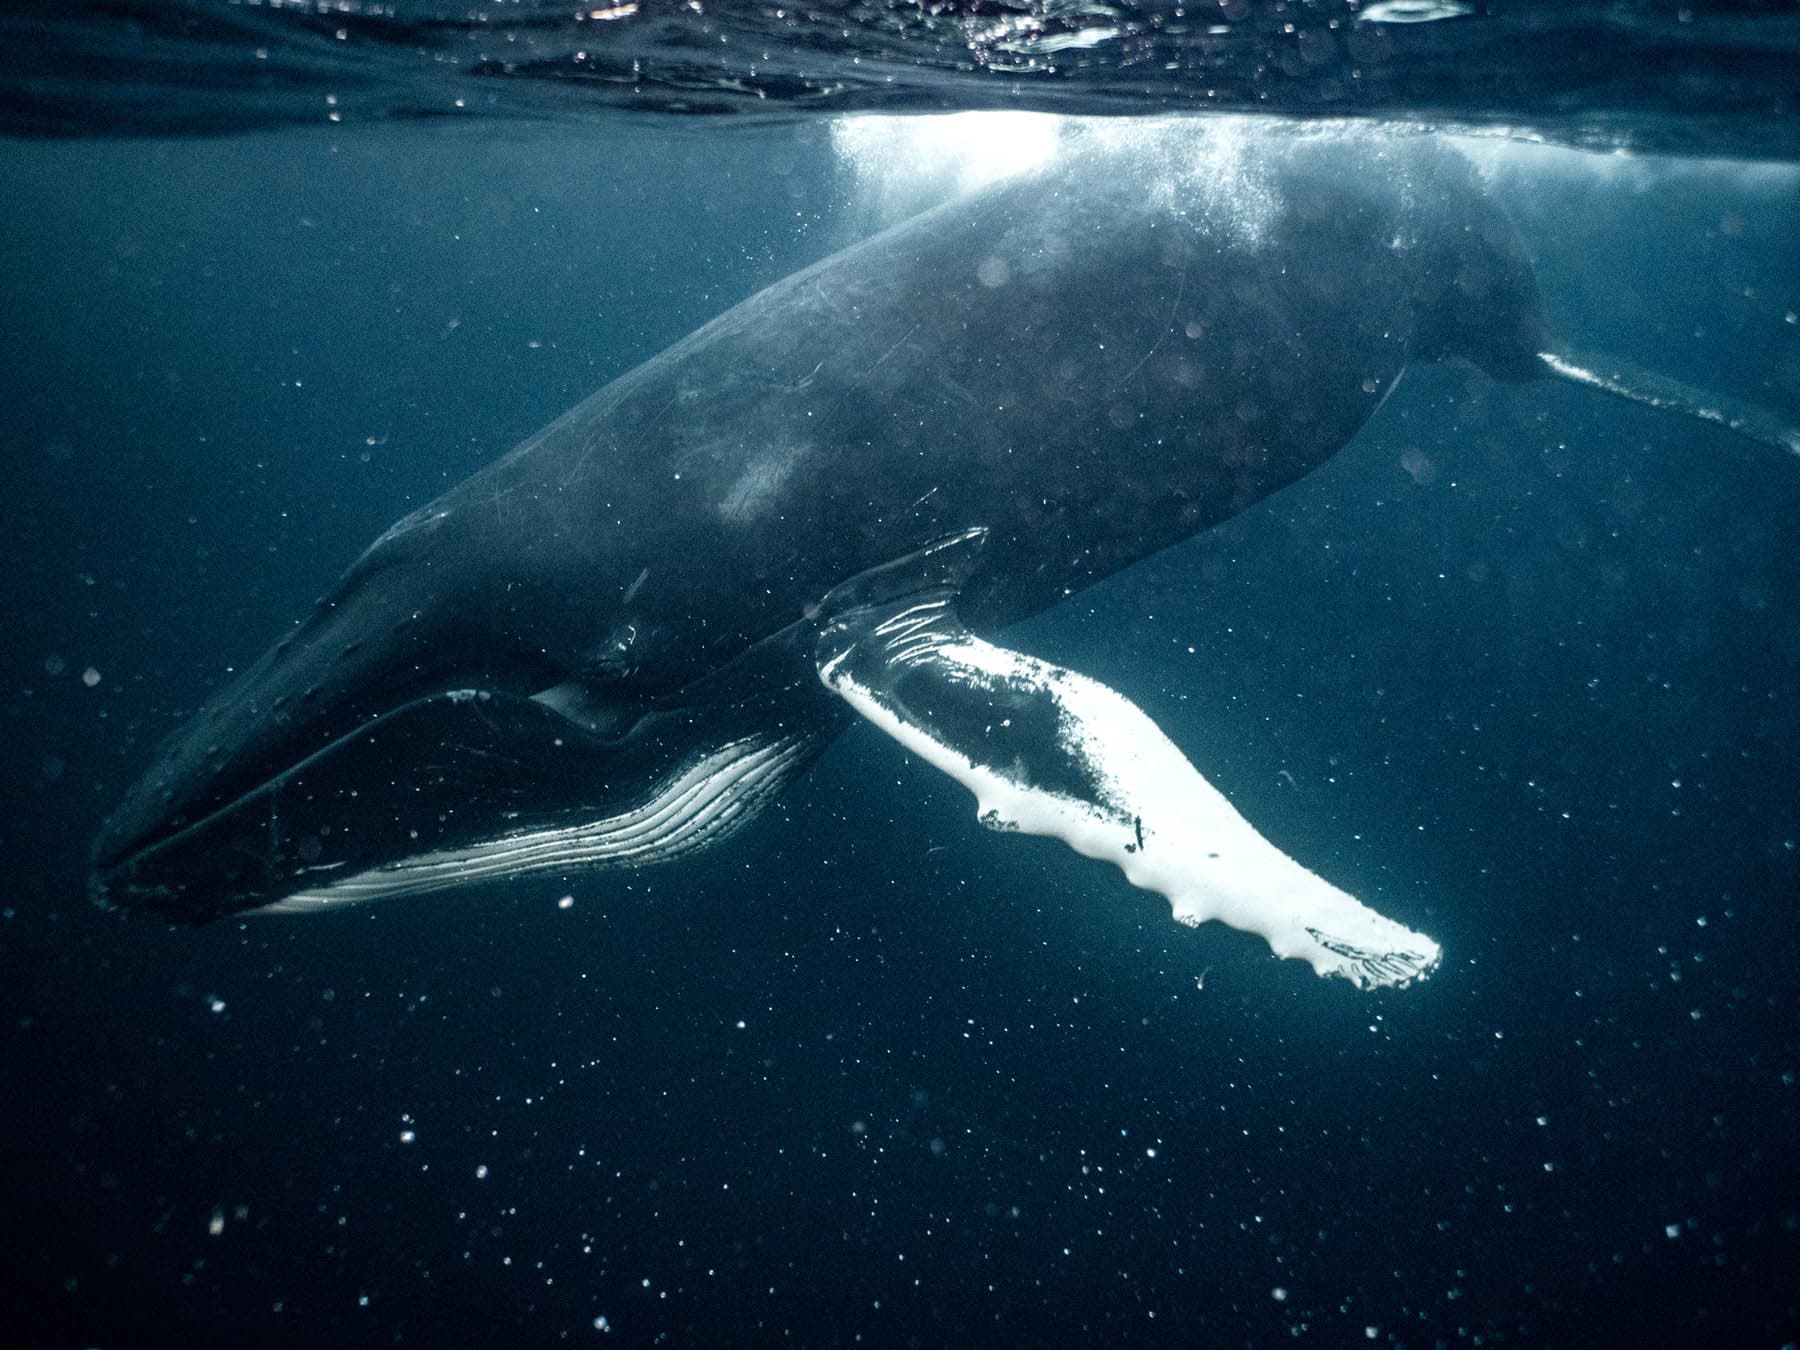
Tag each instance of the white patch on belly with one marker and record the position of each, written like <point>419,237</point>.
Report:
<point>694,808</point>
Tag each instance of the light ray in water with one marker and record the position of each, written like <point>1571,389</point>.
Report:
<point>1637,385</point>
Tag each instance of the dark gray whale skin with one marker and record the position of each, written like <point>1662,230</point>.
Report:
<point>1091,362</point>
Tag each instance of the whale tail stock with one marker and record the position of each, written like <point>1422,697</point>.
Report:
<point>1635,384</point>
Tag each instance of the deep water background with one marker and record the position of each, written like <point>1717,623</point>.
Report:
<point>1521,666</point>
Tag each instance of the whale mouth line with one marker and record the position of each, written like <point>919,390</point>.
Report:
<point>420,794</point>
<point>113,862</point>
<point>580,716</point>
<point>170,835</point>
<point>456,786</point>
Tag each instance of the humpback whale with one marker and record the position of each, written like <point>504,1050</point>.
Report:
<point>613,645</point>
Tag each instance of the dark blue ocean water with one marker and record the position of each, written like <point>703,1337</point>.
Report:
<point>1521,664</point>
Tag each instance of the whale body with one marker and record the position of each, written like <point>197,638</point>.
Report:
<point>615,643</point>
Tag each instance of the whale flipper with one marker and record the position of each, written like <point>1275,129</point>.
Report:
<point>1051,752</point>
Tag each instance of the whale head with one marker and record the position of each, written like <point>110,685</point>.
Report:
<point>399,710</point>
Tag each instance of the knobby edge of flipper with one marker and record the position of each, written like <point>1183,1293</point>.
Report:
<point>1051,752</point>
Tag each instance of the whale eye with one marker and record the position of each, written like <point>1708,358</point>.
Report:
<point>616,655</point>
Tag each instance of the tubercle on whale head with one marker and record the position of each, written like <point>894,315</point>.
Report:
<point>398,626</point>
<point>297,697</point>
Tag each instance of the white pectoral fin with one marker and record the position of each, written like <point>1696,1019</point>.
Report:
<point>1048,751</point>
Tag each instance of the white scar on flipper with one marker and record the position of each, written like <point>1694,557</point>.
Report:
<point>1154,816</point>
